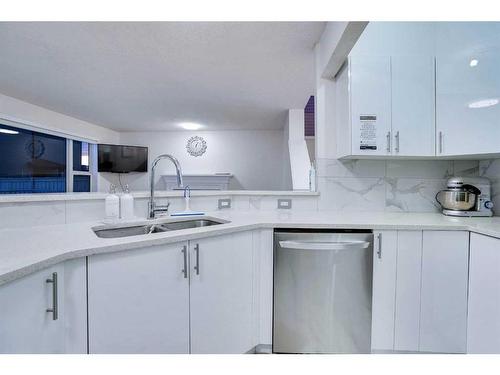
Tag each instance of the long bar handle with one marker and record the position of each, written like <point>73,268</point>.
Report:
<point>185,270</point>
<point>197,252</point>
<point>440,142</point>
<point>396,136</point>
<point>388,142</point>
<point>379,250</point>
<point>54,309</point>
<point>302,245</point>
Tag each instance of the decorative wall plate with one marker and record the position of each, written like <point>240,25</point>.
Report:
<point>196,146</point>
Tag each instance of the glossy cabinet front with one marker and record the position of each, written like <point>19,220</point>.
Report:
<point>26,327</point>
<point>483,321</point>
<point>420,294</point>
<point>467,103</point>
<point>139,301</point>
<point>221,294</point>
<point>189,297</point>
<point>385,107</point>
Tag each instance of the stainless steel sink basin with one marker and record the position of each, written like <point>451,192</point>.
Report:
<point>188,224</point>
<point>136,230</point>
<point>128,231</point>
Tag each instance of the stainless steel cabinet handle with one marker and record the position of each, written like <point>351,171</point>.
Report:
<point>54,308</point>
<point>396,148</point>
<point>388,142</point>
<point>197,252</point>
<point>185,269</point>
<point>440,142</point>
<point>379,251</point>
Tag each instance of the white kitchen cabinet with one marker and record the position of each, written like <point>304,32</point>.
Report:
<point>420,291</point>
<point>407,306</point>
<point>385,107</point>
<point>25,324</point>
<point>483,321</point>
<point>384,290</point>
<point>443,316</point>
<point>467,109</point>
<point>412,107</point>
<point>139,300</point>
<point>221,294</point>
<point>369,106</point>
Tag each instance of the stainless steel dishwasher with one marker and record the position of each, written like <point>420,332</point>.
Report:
<point>322,291</point>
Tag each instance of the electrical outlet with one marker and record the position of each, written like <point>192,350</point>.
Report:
<point>224,203</point>
<point>285,204</point>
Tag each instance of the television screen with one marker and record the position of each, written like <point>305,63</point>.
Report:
<point>122,159</point>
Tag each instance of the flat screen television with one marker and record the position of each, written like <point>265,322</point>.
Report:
<point>122,159</point>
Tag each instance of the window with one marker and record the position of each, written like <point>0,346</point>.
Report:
<point>80,156</point>
<point>82,173</point>
<point>31,162</point>
<point>34,162</point>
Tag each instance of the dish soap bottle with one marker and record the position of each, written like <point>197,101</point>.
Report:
<point>112,204</point>
<point>127,204</point>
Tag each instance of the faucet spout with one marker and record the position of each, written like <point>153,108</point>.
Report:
<point>153,208</point>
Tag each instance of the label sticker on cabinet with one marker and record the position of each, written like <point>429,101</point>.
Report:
<point>367,132</point>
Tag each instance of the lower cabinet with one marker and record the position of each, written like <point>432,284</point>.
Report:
<point>221,294</point>
<point>188,297</point>
<point>483,328</point>
<point>420,291</point>
<point>443,318</point>
<point>45,312</point>
<point>139,301</point>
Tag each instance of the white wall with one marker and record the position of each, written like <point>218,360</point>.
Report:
<point>299,155</point>
<point>23,112</point>
<point>254,157</point>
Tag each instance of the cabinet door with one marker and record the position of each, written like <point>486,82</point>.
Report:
<point>221,294</point>
<point>467,110</point>
<point>27,327</point>
<point>483,321</point>
<point>370,91</point>
<point>139,301</point>
<point>443,316</point>
<point>413,128</point>
<point>384,290</point>
<point>407,310</point>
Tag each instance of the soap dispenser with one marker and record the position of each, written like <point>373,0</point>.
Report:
<point>112,204</point>
<point>126,204</point>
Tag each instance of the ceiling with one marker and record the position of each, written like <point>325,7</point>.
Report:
<point>141,76</point>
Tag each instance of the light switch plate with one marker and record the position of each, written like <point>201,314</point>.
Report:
<point>285,204</point>
<point>224,203</point>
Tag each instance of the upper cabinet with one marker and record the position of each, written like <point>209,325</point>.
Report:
<point>419,90</point>
<point>468,119</point>
<point>385,107</point>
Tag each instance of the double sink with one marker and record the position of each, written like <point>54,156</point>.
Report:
<point>156,227</point>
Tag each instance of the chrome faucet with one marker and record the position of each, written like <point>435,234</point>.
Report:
<point>152,207</point>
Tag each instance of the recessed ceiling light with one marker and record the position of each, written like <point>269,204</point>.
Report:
<point>8,131</point>
<point>190,125</point>
<point>473,63</point>
<point>483,103</point>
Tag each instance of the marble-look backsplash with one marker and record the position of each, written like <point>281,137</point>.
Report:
<point>25,214</point>
<point>491,169</point>
<point>350,185</point>
<point>392,185</point>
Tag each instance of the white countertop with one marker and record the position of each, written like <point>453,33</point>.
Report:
<point>26,250</point>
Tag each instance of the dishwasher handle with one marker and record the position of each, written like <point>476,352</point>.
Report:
<point>341,245</point>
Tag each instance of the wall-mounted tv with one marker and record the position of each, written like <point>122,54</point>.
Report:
<point>122,159</point>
